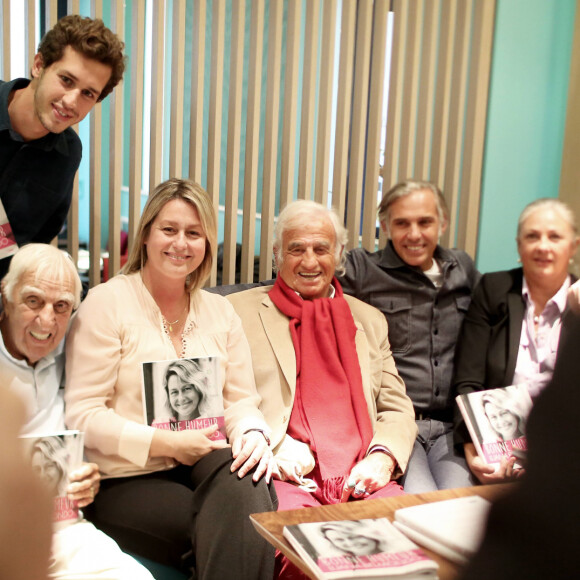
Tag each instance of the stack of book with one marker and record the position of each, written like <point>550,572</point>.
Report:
<point>378,548</point>
<point>361,549</point>
<point>452,528</point>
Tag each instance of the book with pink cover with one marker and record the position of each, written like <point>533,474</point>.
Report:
<point>8,245</point>
<point>53,456</point>
<point>361,549</point>
<point>496,420</point>
<point>184,394</point>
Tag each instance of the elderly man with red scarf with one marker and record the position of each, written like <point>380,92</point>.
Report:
<point>342,425</point>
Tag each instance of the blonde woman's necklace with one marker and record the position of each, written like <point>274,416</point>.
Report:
<point>168,324</point>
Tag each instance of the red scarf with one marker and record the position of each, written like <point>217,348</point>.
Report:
<point>330,411</point>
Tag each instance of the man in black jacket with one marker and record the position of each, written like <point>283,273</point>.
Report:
<point>78,64</point>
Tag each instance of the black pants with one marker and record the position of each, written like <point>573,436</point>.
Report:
<point>190,518</point>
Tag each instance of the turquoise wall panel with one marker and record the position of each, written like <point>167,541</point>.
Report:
<point>526,119</point>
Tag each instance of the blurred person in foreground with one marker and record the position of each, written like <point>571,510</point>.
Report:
<point>533,531</point>
<point>24,547</point>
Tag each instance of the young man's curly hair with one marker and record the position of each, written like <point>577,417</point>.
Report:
<point>89,37</point>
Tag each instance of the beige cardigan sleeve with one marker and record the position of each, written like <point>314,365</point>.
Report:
<point>112,420</point>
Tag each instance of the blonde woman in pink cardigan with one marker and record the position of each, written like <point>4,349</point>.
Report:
<point>164,492</point>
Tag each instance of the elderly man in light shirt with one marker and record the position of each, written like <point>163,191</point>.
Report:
<point>39,293</point>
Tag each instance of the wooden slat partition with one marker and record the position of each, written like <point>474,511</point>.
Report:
<point>327,52</point>
<point>304,93</point>
<point>307,121</point>
<point>116,155</point>
<point>157,93</point>
<point>374,117</point>
<point>177,89</point>
<point>252,159</point>
<point>390,172</point>
<point>358,124</point>
<point>31,31</point>
<point>72,221</point>
<point>96,163</point>
<point>289,129</point>
<point>454,144</point>
<point>411,87</point>
<point>442,112</point>
<point>234,144</point>
<point>427,86</point>
<point>135,68</point>
<point>273,108</point>
<point>344,106</point>
<point>197,86</point>
<point>476,107</point>
<point>215,109</point>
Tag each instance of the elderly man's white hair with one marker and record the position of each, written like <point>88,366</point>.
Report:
<point>45,262</point>
<point>303,211</point>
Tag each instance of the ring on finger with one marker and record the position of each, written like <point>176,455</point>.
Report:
<point>359,490</point>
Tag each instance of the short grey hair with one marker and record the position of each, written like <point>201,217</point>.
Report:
<point>44,261</point>
<point>301,211</point>
<point>546,203</point>
<point>405,188</point>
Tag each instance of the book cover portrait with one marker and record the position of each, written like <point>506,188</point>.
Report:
<point>496,420</point>
<point>184,394</point>
<point>360,548</point>
<point>53,456</point>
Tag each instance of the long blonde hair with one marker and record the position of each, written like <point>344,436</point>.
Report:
<point>198,198</point>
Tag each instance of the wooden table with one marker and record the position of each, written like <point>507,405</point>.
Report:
<point>271,524</point>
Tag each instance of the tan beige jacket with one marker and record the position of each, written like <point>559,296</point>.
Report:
<point>274,363</point>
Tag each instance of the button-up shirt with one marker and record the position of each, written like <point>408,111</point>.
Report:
<point>424,321</point>
<point>39,387</point>
<point>36,177</point>
<point>539,344</point>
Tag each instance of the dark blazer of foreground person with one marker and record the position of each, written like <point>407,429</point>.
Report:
<point>534,532</point>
